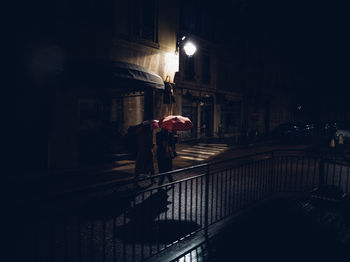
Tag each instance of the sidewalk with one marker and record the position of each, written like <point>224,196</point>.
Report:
<point>189,154</point>
<point>123,170</point>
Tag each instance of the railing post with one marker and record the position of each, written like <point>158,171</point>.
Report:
<point>271,172</point>
<point>206,202</point>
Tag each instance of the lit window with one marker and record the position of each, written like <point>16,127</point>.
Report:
<point>146,20</point>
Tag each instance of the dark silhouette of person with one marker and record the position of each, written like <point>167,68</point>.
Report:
<point>144,158</point>
<point>172,143</point>
<point>221,130</point>
<point>164,159</point>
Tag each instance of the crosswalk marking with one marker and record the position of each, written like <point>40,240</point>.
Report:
<point>208,149</point>
<point>211,147</point>
<point>203,144</point>
<point>193,158</point>
<point>198,151</point>
<point>201,151</point>
<point>195,154</point>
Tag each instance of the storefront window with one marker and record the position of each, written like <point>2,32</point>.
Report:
<point>103,123</point>
<point>231,116</point>
<point>207,116</point>
<point>189,109</point>
<point>206,69</point>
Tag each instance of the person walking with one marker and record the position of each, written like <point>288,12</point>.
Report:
<point>144,158</point>
<point>172,143</point>
<point>164,158</point>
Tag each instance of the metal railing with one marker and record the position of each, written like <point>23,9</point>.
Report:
<point>121,223</point>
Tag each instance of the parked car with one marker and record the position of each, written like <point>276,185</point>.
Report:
<point>294,132</point>
<point>342,129</point>
<point>326,129</point>
<point>308,129</point>
<point>288,132</point>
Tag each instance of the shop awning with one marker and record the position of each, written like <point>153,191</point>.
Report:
<point>137,73</point>
<point>114,74</point>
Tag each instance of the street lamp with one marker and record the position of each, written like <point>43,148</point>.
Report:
<point>190,48</point>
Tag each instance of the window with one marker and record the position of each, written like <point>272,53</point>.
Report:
<point>146,22</point>
<point>206,70</point>
<point>189,68</point>
<point>188,15</point>
<point>196,18</point>
<point>231,116</point>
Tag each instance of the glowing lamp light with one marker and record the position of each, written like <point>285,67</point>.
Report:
<point>190,48</point>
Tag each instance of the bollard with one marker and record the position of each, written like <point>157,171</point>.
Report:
<point>332,145</point>
<point>341,139</point>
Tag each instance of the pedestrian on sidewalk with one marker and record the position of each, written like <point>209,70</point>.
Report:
<point>172,143</point>
<point>221,130</point>
<point>164,158</point>
<point>144,158</point>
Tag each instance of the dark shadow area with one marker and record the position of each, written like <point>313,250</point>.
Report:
<point>284,230</point>
<point>105,207</point>
<point>161,231</point>
<point>97,205</point>
<point>143,227</point>
<point>149,209</point>
<point>118,203</point>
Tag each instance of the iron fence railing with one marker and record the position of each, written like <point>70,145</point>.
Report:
<point>121,223</point>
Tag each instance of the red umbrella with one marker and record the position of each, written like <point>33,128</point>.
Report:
<point>176,123</point>
<point>153,123</point>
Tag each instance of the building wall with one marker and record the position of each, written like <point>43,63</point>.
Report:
<point>198,99</point>
<point>117,44</point>
<point>158,57</point>
<point>269,85</point>
<point>230,88</point>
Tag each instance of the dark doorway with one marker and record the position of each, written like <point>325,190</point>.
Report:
<point>189,109</point>
<point>207,117</point>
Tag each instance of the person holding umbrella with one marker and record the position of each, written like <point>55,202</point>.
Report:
<point>166,143</point>
<point>164,158</point>
<point>144,158</point>
<point>172,143</point>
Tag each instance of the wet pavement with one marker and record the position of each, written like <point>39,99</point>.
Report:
<point>110,228</point>
<point>189,154</point>
<point>279,230</point>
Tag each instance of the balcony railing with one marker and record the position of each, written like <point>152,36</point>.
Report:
<point>116,222</point>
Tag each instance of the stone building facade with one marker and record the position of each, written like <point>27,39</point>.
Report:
<point>131,67</point>
<point>113,64</point>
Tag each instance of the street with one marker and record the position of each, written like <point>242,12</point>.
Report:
<point>252,94</point>
<point>188,155</point>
